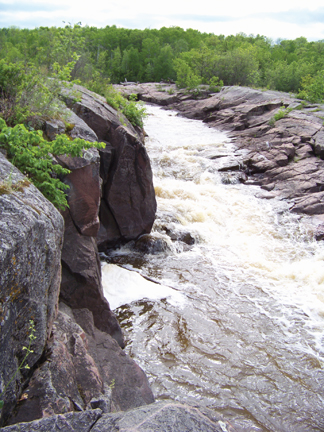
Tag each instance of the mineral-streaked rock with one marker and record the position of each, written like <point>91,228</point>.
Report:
<point>163,416</point>
<point>31,236</point>
<point>70,422</point>
<point>85,368</point>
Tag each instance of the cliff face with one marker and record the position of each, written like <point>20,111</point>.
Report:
<point>77,361</point>
<point>31,236</point>
<point>114,184</point>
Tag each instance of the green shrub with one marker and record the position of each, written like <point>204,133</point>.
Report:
<point>25,93</point>
<point>215,84</point>
<point>312,88</point>
<point>32,155</point>
<point>280,114</point>
<point>22,365</point>
<point>134,111</point>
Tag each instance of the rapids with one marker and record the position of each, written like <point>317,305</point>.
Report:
<point>236,322</point>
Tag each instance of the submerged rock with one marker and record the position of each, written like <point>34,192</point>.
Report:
<point>152,244</point>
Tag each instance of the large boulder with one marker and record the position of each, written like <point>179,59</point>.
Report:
<point>111,200</point>
<point>128,203</point>
<point>85,368</point>
<point>129,192</point>
<point>31,232</point>
<point>70,422</point>
<point>162,416</point>
<point>157,93</point>
<point>81,279</point>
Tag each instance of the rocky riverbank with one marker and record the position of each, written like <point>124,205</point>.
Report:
<point>279,140</point>
<point>79,378</point>
<point>51,261</point>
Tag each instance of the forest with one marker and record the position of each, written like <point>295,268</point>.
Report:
<point>97,57</point>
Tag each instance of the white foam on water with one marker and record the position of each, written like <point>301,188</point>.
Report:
<point>122,286</point>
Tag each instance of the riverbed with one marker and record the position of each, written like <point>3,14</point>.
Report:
<point>236,320</point>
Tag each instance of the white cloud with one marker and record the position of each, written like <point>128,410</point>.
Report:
<point>276,19</point>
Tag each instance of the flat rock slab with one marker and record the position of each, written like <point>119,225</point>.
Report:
<point>163,416</point>
<point>70,422</point>
<point>158,417</point>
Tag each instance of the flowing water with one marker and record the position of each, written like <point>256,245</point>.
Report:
<point>237,322</point>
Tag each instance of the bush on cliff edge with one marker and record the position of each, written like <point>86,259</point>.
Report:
<point>33,156</point>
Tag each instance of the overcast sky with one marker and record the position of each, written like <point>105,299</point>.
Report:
<point>287,19</point>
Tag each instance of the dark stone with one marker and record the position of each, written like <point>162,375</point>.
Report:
<point>70,422</point>
<point>67,381</point>
<point>106,157</point>
<point>81,279</point>
<point>319,232</point>
<point>31,232</point>
<point>109,233</point>
<point>319,144</point>
<point>151,244</point>
<point>187,238</point>
<point>129,192</point>
<point>83,194</point>
<point>164,416</point>
<point>86,368</point>
<point>127,382</point>
<point>95,112</point>
<point>125,169</point>
<point>53,128</point>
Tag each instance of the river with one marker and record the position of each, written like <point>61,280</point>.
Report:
<point>236,322</point>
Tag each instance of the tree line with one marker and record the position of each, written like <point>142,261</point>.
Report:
<point>188,57</point>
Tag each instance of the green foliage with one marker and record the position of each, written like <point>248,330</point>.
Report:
<point>281,114</point>
<point>64,72</point>
<point>32,154</point>
<point>215,84</point>
<point>312,87</point>
<point>286,77</point>
<point>23,364</point>
<point>134,111</point>
<point>186,78</point>
<point>96,55</point>
<point>201,66</point>
<point>24,93</point>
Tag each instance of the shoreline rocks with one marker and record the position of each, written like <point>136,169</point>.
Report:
<point>160,416</point>
<point>31,236</point>
<point>75,358</point>
<point>279,139</point>
<point>85,368</point>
